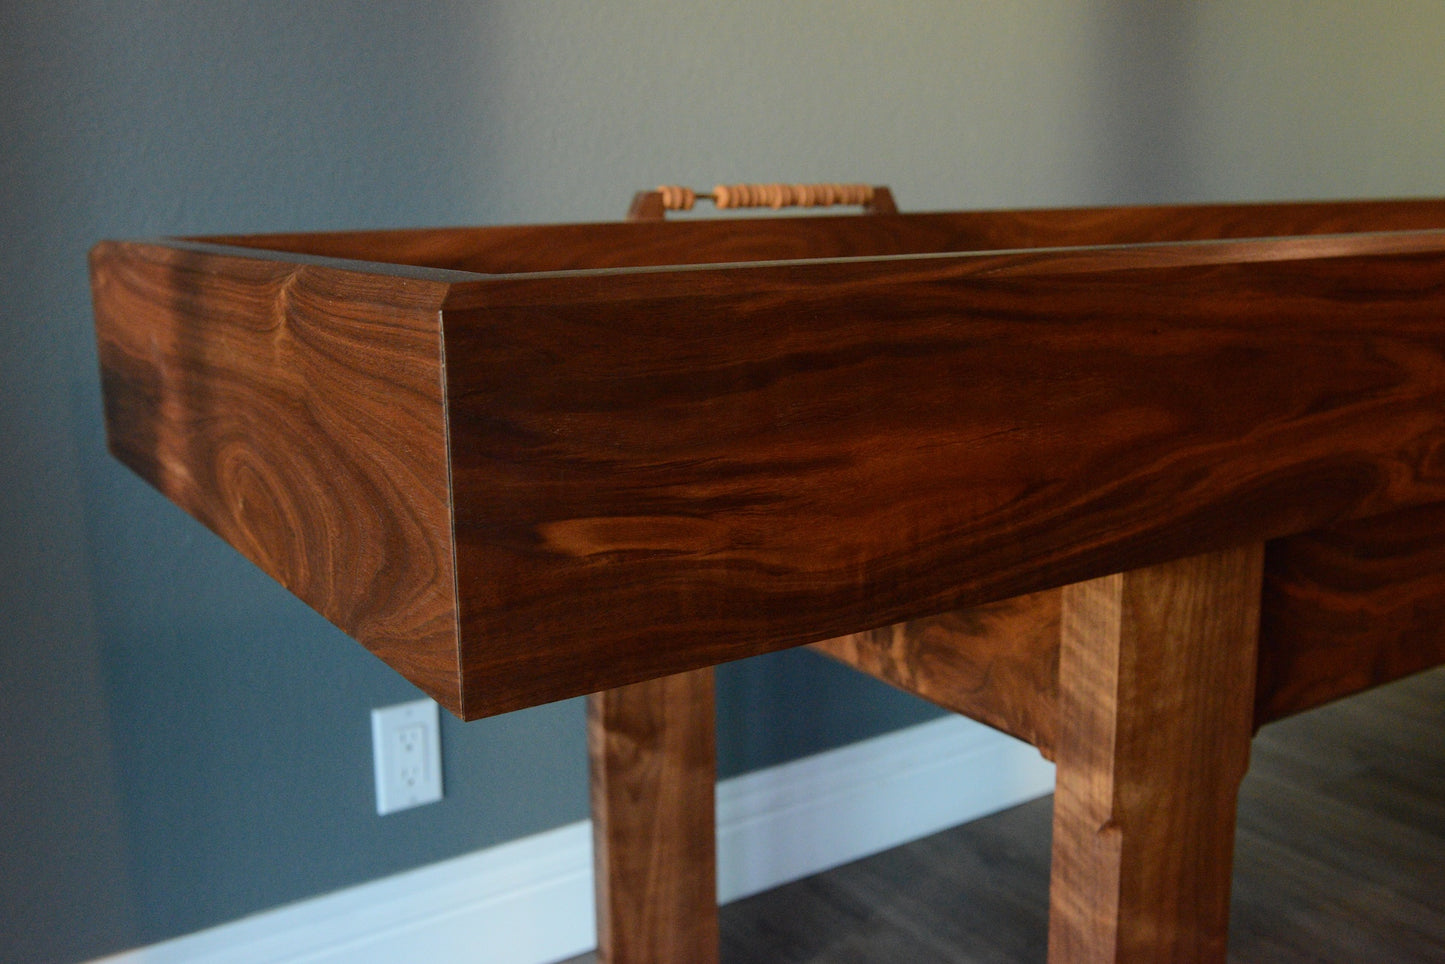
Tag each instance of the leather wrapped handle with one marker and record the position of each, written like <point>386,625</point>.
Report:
<point>652,205</point>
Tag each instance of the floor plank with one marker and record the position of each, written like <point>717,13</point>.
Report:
<point>1340,856</point>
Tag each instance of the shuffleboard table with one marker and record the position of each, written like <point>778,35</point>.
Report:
<point>1126,483</point>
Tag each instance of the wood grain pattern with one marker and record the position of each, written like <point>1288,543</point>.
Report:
<point>654,471</point>
<point>1156,690</point>
<point>1344,609</point>
<point>1340,858</point>
<point>566,247</point>
<point>997,663</point>
<point>642,471</point>
<point>522,487</point>
<point>653,751</point>
<point>297,411</point>
<point>1351,607</point>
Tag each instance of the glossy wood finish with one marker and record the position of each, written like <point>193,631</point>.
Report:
<point>570,247</point>
<point>652,753</point>
<point>1156,702</point>
<point>523,464</point>
<point>997,663</point>
<point>1350,607</point>
<point>297,410</point>
<point>715,462</point>
<point>1344,609</point>
<point>639,472</point>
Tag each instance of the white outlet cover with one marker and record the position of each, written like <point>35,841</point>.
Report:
<point>407,755</point>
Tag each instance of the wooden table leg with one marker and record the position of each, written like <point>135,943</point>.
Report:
<point>1156,702</point>
<point>653,756</point>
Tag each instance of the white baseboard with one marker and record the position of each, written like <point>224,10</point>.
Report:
<point>529,901</point>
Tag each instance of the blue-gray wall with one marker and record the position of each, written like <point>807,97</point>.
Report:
<point>181,742</point>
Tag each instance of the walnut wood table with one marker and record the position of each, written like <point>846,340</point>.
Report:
<point>1125,483</point>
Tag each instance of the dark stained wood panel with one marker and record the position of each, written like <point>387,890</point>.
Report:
<point>1344,609</point>
<point>519,488</point>
<point>558,247</point>
<point>655,471</point>
<point>297,411</point>
<point>997,663</point>
<point>1351,607</point>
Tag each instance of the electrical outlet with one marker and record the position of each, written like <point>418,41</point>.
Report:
<point>406,748</point>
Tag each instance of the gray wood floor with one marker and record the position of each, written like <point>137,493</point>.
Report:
<point>1340,856</point>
